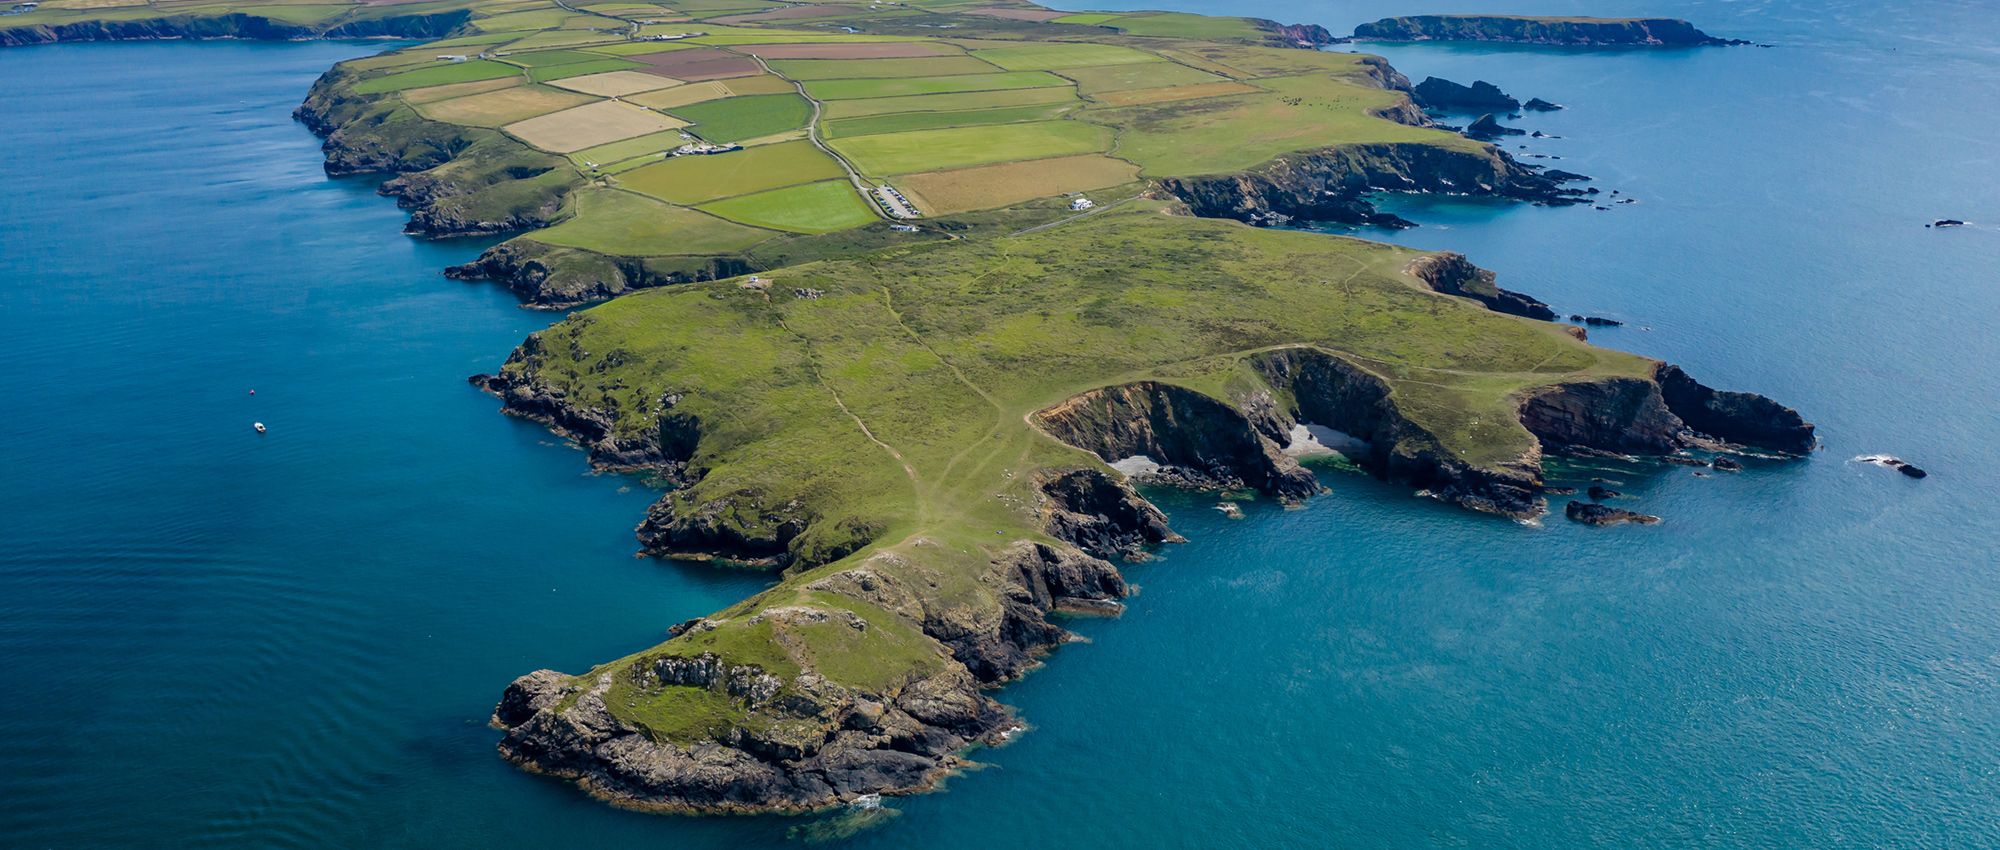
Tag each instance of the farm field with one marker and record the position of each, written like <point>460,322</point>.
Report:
<point>1056,55</point>
<point>849,69</point>
<point>615,83</point>
<point>430,94</point>
<point>681,95</point>
<point>505,106</point>
<point>544,58</point>
<point>578,69</point>
<point>853,50</point>
<point>821,207</point>
<point>947,102</point>
<point>701,63</point>
<point>620,151</point>
<point>1150,75</point>
<point>590,125</point>
<point>859,88</point>
<point>454,72</point>
<point>622,223</point>
<point>696,179</point>
<point>1135,97</point>
<point>990,186</point>
<point>937,150</point>
<point>760,84</point>
<point>736,119</point>
<point>904,121</point>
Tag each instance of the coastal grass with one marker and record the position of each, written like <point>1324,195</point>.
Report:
<point>956,147</point>
<point>696,179</point>
<point>822,207</point>
<point>619,223</point>
<point>904,121</point>
<point>1184,25</point>
<point>899,87</point>
<point>947,102</point>
<point>894,401</point>
<point>734,119</point>
<point>1007,184</point>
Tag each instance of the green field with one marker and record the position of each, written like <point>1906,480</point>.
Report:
<point>813,208</point>
<point>623,223</point>
<point>854,69</point>
<point>947,102</point>
<point>905,121</point>
<point>1182,25</point>
<point>616,152</point>
<point>694,179</point>
<point>1086,19</point>
<point>934,150</point>
<point>543,58</point>
<point>1051,56</point>
<point>733,119</point>
<point>436,75</point>
<point>578,69</point>
<point>539,19</point>
<point>1090,81</point>
<point>855,89</point>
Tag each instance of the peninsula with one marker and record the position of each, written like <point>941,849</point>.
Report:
<point>1524,29</point>
<point>890,286</point>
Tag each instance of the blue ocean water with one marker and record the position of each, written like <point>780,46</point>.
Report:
<point>220,639</point>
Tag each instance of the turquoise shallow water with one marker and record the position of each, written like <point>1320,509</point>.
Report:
<point>217,639</point>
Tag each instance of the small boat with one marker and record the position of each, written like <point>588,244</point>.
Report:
<point>259,426</point>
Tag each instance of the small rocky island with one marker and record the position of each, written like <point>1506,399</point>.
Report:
<point>1524,29</point>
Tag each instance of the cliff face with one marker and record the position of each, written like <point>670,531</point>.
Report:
<point>1196,439</point>
<point>455,181</point>
<point>1634,32</point>
<point>552,277</point>
<point>233,25</point>
<point>1453,274</point>
<point>1330,185</point>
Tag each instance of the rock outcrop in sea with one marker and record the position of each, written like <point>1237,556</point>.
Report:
<point>1446,96</point>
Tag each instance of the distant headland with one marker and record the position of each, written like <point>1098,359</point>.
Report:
<point>1524,29</point>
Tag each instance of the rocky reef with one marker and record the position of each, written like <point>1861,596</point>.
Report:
<point>1611,32</point>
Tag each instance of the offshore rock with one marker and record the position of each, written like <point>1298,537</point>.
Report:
<point>1447,96</point>
<point>1591,513</point>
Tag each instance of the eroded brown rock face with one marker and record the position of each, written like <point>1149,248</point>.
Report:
<point>1198,441</point>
